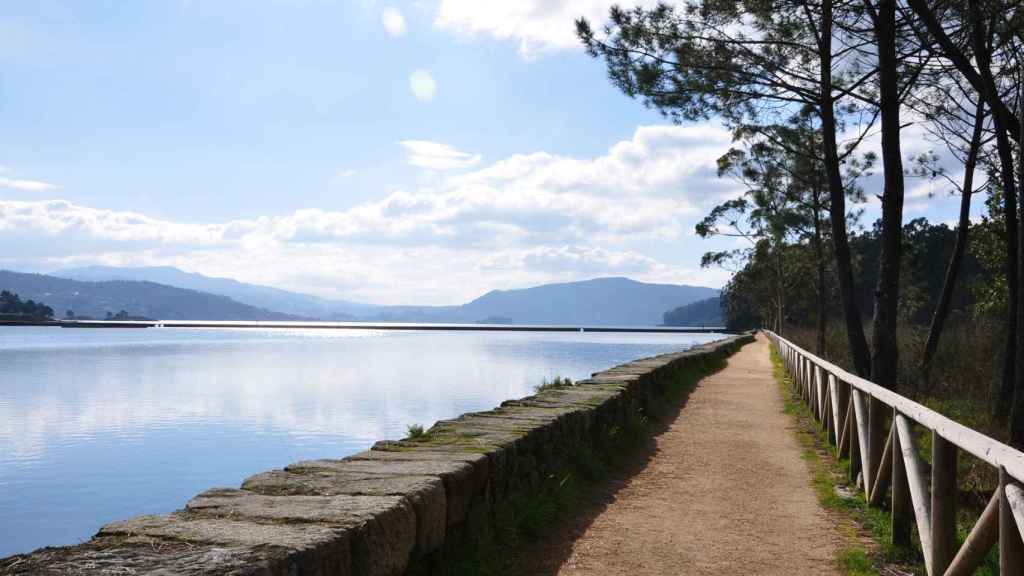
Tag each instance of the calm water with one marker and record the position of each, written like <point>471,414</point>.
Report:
<point>102,424</point>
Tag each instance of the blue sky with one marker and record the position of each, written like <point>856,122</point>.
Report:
<point>390,152</point>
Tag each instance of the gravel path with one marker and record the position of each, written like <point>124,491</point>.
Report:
<point>724,491</point>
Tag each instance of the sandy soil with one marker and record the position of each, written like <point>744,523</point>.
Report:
<point>722,490</point>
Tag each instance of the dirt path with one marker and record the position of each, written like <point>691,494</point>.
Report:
<point>725,491</point>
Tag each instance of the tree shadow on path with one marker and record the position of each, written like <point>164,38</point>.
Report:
<point>546,554</point>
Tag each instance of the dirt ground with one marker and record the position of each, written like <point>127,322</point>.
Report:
<point>722,490</point>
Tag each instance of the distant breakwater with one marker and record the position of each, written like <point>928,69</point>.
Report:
<point>402,507</point>
<point>365,326</point>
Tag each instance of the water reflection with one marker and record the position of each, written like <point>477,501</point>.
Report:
<point>101,424</point>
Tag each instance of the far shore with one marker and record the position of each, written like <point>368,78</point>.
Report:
<point>360,326</point>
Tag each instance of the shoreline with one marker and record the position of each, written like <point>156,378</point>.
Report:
<point>408,326</point>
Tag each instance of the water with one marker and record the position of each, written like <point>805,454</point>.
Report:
<point>102,424</point>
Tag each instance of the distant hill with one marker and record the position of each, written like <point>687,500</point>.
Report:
<point>707,312</point>
<point>601,301</point>
<point>597,302</point>
<point>147,299</point>
<point>266,297</point>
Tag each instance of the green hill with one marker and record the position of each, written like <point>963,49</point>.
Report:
<point>147,299</point>
<point>707,312</point>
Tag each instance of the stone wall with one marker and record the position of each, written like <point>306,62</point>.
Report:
<point>402,506</point>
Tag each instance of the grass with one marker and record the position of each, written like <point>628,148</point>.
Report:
<point>865,531</point>
<point>556,382</point>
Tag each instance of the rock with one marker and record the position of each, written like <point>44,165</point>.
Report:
<point>462,480</point>
<point>154,557</point>
<point>425,493</point>
<point>381,529</point>
<point>312,548</point>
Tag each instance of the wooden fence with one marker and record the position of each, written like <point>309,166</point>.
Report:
<point>876,428</point>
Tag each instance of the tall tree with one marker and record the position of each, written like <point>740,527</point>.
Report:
<point>947,123</point>
<point>983,40</point>
<point>785,201</point>
<point>885,350</point>
<point>752,62</point>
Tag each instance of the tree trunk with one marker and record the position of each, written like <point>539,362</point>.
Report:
<point>1017,413</point>
<point>837,203</point>
<point>979,39</point>
<point>819,257</point>
<point>885,349</point>
<point>1005,396</point>
<point>953,269</point>
<point>780,287</point>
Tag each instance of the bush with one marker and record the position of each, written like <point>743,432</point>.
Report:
<point>416,431</point>
<point>557,382</point>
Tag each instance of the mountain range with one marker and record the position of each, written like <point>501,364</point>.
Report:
<point>144,299</point>
<point>169,293</point>
<point>266,297</point>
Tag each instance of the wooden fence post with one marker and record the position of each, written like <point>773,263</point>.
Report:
<point>862,435</point>
<point>1011,549</point>
<point>853,438</point>
<point>877,413</point>
<point>944,494</point>
<point>901,504</point>
<point>816,391</point>
<point>803,377</point>
<point>834,412</point>
<point>847,429</point>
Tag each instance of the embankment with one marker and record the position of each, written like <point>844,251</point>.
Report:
<point>401,507</point>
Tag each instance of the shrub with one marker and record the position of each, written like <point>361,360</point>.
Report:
<point>557,382</point>
<point>416,431</point>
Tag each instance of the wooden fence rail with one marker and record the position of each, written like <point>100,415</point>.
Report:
<point>875,428</point>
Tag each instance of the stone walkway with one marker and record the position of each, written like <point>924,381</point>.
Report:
<point>725,492</point>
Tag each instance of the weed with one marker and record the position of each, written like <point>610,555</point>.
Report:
<point>557,382</point>
<point>416,432</point>
<point>856,562</point>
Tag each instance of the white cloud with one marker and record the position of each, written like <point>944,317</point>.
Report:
<point>393,20</point>
<point>27,185</point>
<point>537,25</point>
<point>346,173</point>
<point>422,84</point>
<point>527,219</point>
<point>436,156</point>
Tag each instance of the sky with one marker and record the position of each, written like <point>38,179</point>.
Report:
<point>388,152</point>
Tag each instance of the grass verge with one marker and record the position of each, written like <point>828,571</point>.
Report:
<point>866,532</point>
